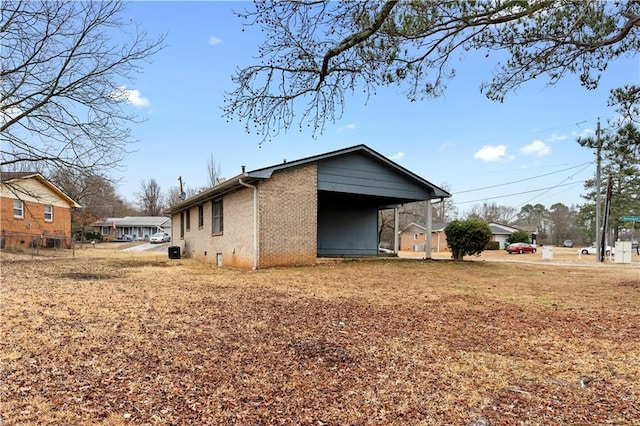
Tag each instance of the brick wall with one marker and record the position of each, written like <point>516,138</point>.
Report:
<point>287,228</point>
<point>438,241</point>
<point>235,243</point>
<point>33,224</point>
<point>288,205</point>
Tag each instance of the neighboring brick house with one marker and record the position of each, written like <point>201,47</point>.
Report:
<point>413,237</point>
<point>33,212</point>
<point>294,212</point>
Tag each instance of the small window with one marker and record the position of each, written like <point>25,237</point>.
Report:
<point>48,213</point>
<point>218,222</point>
<point>105,230</point>
<point>200,216</point>
<point>18,209</point>
<point>188,219</point>
<point>181,224</point>
<point>415,237</point>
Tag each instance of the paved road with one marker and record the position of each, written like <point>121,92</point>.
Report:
<point>148,246</point>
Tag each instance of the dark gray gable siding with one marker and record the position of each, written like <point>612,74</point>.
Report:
<point>357,173</point>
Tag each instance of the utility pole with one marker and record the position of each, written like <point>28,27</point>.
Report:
<point>605,228</point>
<point>598,160</point>
<point>183,195</point>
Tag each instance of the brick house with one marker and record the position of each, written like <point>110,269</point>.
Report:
<point>294,212</point>
<point>33,212</point>
<point>413,237</point>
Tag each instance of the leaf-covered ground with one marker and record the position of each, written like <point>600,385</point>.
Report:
<point>108,338</point>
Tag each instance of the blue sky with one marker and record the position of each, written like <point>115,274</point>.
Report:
<point>462,140</point>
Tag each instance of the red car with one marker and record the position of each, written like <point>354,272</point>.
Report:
<point>520,248</point>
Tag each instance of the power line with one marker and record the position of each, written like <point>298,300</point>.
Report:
<point>524,180</point>
<point>561,182</point>
<point>518,193</point>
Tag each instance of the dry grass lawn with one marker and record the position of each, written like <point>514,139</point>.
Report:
<point>135,338</point>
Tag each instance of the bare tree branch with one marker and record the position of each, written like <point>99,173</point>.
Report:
<point>63,73</point>
<point>316,53</point>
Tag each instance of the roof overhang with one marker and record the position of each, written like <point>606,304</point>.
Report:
<point>235,183</point>
<point>229,185</point>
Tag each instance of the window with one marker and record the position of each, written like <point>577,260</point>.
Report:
<point>181,224</point>
<point>188,219</point>
<point>18,209</point>
<point>105,230</point>
<point>218,222</point>
<point>48,213</point>
<point>200,216</point>
<point>415,237</point>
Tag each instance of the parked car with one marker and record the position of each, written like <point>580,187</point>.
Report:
<point>520,248</point>
<point>567,243</point>
<point>592,250</point>
<point>159,238</point>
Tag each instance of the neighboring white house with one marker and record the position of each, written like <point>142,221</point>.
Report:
<point>501,233</point>
<point>132,227</point>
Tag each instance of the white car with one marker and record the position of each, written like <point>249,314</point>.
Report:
<point>592,250</point>
<point>159,238</point>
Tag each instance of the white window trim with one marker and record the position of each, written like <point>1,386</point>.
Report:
<point>21,208</point>
<point>50,213</point>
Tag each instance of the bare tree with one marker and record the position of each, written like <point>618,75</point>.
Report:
<point>96,195</point>
<point>315,53</point>
<point>150,197</point>
<point>213,171</point>
<point>62,101</point>
<point>441,212</point>
<point>175,195</point>
<point>492,212</point>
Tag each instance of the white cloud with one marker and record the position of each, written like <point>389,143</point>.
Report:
<point>446,146</point>
<point>350,127</point>
<point>130,96</point>
<point>555,138</point>
<point>214,40</point>
<point>537,148</point>
<point>397,156</point>
<point>491,153</point>
<point>585,133</point>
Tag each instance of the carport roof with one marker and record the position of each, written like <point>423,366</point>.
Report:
<point>236,182</point>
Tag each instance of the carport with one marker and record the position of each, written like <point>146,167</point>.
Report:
<point>296,211</point>
<point>352,188</point>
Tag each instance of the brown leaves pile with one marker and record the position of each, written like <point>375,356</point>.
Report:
<point>146,340</point>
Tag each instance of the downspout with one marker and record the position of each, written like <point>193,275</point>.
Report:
<point>255,221</point>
